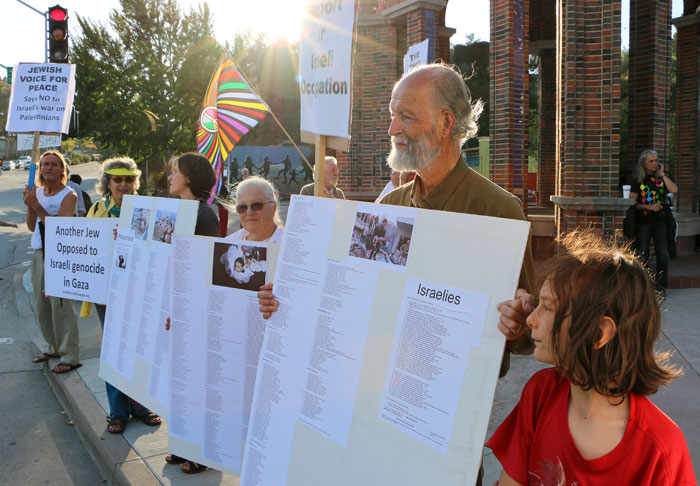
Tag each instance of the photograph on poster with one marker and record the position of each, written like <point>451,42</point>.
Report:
<point>239,266</point>
<point>121,260</point>
<point>164,226</point>
<point>139,223</point>
<point>381,238</point>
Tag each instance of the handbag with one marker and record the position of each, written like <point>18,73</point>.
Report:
<point>671,231</point>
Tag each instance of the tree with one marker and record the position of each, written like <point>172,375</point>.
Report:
<point>473,61</point>
<point>139,91</point>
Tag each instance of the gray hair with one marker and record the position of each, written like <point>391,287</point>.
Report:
<point>639,172</point>
<point>268,189</point>
<point>102,186</point>
<point>450,93</point>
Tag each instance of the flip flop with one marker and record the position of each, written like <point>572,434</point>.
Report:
<point>69,367</point>
<point>194,468</point>
<point>150,418</point>
<point>115,422</point>
<point>173,459</point>
<point>40,358</point>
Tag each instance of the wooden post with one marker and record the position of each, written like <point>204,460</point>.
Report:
<point>320,167</point>
<point>35,148</point>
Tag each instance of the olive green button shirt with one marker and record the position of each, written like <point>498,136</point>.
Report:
<point>466,191</point>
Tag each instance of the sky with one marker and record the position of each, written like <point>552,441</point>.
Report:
<point>23,29</point>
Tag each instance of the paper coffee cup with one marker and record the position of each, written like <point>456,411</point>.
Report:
<point>626,191</point>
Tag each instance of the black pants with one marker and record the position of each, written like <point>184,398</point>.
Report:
<point>656,229</point>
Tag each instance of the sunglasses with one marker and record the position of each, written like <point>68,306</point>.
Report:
<point>120,179</point>
<point>256,206</point>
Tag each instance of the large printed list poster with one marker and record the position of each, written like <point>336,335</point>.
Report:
<point>216,333</point>
<point>381,364</point>
<point>135,347</point>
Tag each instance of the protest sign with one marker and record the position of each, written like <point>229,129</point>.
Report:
<point>134,355</point>
<point>325,67</point>
<point>26,141</point>
<point>380,365</point>
<point>417,54</point>
<point>41,98</point>
<point>77,258</point>
<point>213,392</point>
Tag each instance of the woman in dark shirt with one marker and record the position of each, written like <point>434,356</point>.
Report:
<point>650,193</point>
<point>193,178</point>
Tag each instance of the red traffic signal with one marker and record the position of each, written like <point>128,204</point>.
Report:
<point>58,34</point>
<point>58,13</point>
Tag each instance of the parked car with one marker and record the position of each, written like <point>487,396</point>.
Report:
<point>26,162</point>
<point>8,165</point>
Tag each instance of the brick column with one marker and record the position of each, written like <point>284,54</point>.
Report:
<point>649,79</point>
<point>543,44</point>
<point>687,164</point>
<point>588,97</point>
<point>509,95</point>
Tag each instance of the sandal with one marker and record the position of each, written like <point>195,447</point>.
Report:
<point>193,467</point>
<point>65,367</point>
<point>40,358</point>
<point>115,425</point>
<point>150,418</point>
<point>173,459</point>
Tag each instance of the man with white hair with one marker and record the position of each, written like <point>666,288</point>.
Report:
<point>330,188</point>
<point>431,117</point>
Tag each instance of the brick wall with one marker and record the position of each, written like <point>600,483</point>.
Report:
<point>509,95</point>
<point>588,96</point>
<point>649,79</point>
<point>687,164</point>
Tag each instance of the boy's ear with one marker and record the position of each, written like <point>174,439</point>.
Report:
<point>608,328</point>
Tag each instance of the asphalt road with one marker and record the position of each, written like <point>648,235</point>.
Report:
<point>38,443</point>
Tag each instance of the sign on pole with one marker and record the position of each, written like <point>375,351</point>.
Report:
<point>325,69</point>
<point>41,99</point>
<point>26,141</point>
<point>417,54</point>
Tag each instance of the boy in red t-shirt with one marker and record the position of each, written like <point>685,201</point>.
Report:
<point>588,421</point>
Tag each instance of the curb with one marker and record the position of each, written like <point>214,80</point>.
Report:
<point>89,418</point>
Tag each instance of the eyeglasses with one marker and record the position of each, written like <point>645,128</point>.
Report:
<point>119,179</point>
<point>256,206</point>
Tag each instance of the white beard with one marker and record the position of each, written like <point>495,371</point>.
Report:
<point>418,154</point>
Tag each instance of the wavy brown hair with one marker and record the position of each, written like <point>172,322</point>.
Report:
<point>64,176</point>
<point>592,280</point>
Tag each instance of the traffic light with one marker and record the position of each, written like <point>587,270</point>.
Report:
<point>58,34</point>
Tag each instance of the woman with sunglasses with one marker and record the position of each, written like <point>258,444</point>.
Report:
<point>257,205</point>
<point>119,177</point>
<point>192,178</point>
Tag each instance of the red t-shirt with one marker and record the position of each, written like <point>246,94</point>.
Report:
<point>535,447</point>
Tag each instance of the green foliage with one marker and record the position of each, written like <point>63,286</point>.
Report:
<point>473,61</point>
<point>139,90</point>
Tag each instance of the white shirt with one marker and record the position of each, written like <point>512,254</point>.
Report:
<point>51,204</point>
<point>387,189</point>
<point>242,234</point>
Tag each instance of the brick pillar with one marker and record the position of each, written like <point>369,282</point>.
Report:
<point>649,79</point>
<point>687,164</point>
<point>588,96</point>
<point>509,95</point>
<point>543,44</point>
<point>385,30</point>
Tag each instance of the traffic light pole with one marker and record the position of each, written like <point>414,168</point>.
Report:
<point>46,27</point>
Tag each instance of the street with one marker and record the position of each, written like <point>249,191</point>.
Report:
<point>39,444</point>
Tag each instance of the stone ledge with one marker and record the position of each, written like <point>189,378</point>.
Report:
<point>688,224</point>
<point>592,203</point>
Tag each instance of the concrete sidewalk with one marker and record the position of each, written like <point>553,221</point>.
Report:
<point>138,456</point>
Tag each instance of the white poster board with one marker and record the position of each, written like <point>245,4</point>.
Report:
<point>325,67</point>
<point>41,98</point>
<point>216,332</point>
<point>381,363</point>
<point>135,346</point>
<point>78,258</point>
<point>417,54</point>
<point>26,141</point>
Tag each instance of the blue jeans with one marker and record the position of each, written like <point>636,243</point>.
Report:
<point>120,405</point>
<point>657,230</point>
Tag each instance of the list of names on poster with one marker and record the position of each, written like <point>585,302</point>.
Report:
<point>436,327</point>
